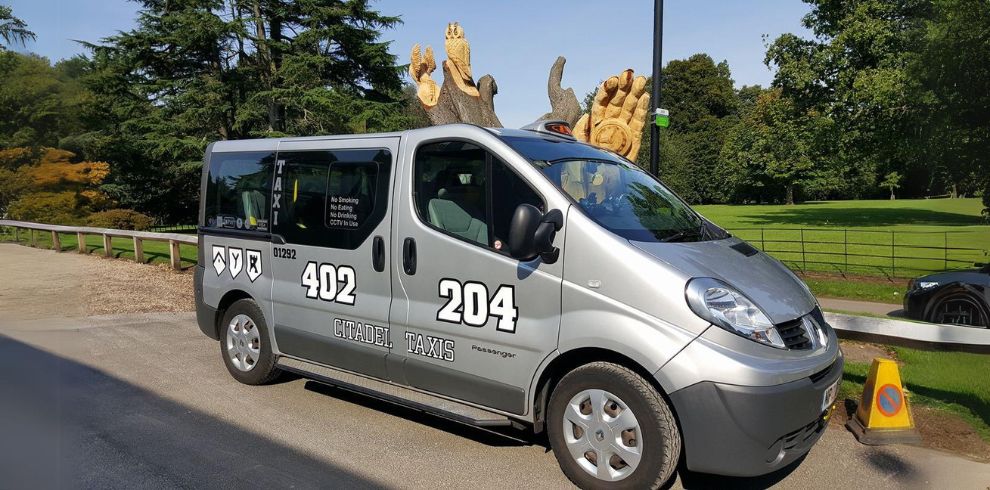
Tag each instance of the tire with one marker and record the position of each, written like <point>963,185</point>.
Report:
<point>655,438</point>
<point>951,307</point>
<point>245,344</point>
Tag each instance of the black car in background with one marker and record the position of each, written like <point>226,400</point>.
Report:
<point>961,297</point>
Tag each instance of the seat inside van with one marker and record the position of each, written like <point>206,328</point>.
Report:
<point>457,207</point>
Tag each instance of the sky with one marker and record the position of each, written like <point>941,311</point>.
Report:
<point>515,41</point>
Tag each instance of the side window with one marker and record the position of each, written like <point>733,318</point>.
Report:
<point>466,192</point>
<point>509,191</point>
<point>331,198</point>
<point>238,190</point>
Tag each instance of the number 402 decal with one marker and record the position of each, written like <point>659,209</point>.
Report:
<point>322,282</point>
<point>469,304</point>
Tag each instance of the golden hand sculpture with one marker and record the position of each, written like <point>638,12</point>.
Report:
<point>618,115</point>
<point>420,69</point>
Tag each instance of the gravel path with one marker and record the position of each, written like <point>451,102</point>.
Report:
<point>50,284</point>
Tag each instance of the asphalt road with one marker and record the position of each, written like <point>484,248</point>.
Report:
<point>144,401</point>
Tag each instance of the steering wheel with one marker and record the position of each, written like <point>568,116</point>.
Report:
<point>614,202</point>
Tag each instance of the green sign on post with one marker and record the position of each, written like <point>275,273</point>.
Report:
<point>662,118</point>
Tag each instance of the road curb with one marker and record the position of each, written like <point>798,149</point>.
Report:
<point>926,336</point>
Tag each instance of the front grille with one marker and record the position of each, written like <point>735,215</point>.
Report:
<point>794,335</point>
<point>820,375</point>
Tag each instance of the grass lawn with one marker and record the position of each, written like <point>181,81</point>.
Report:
<point>902,238</point>
<point>891,292</point>
<point>952,381</point>
<point>154,252</point>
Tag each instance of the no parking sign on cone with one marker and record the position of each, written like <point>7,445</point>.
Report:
<point>883,415</point>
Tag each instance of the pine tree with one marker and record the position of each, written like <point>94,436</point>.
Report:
<point>195,71</point>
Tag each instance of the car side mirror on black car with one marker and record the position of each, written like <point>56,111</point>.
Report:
<point>531,233</point>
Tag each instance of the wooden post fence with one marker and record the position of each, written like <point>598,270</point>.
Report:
<point>175,240</point>
<point>138,250</point>
<point>107,245</point>
<point>173,254</point>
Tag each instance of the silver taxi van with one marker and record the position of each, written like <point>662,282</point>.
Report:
<point>518,278</point>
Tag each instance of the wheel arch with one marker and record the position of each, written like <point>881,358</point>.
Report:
<point>954,289</point>
<point>573,359</point>
<point>229,298</point>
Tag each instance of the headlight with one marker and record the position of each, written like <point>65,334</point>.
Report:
<point>925,284</point>
<point>722,305</point>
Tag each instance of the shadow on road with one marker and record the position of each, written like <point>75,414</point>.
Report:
<point>66,425</point>
<point>691,480</point>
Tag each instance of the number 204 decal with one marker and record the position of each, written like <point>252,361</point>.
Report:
<point>470,304</point>
<point>329,282</point>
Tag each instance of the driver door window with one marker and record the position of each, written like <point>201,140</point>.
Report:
<point>468,193</point>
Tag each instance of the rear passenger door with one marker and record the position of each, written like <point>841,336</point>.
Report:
<point>332,286</point>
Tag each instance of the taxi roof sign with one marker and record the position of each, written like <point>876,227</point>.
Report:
<point>555,127</point>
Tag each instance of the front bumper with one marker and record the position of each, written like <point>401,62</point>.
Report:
<point>752,430</point>
<point>916,301</point>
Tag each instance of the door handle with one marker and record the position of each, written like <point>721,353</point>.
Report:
<point>378,254</point>
<point>409,256</point>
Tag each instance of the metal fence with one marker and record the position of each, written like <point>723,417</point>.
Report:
<point>891,253</point>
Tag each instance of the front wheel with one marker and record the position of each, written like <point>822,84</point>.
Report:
<point>609,428</point>
<point>245,344</point>
<point>960,309</point>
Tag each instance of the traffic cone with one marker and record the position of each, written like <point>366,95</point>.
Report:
<point>883,415</point>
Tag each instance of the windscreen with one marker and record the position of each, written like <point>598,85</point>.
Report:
<point>613,192</point>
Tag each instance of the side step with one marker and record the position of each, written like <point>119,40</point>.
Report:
<point>392,393</point>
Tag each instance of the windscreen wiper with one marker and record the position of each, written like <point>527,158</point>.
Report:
<point>701,232</point>
<point>681,234</point>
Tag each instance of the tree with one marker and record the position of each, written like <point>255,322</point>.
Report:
<point>195,71</point>
<point>771,147</point>
<point>58,189</point>
<point>12,29</point>
<point>41,103</point>
<point>703,107</point>
<point>954,77</point>
<point>891,181</point>
<point>857,73</point>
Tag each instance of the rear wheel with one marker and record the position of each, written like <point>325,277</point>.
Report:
<point>245,345</point>
<point>609,428</point>
<point>960,309</point>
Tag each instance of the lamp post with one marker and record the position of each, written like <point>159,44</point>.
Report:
<point>655,94</point>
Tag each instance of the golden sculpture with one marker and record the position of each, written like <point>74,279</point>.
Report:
<point>421,70</point>
<point>459,57</point>
<point>458,63</point>
<point>617,116</point>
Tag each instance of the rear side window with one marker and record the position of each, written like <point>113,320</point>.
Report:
<point>468,193</point>
<point>331,198</point>
<point>238,190</point>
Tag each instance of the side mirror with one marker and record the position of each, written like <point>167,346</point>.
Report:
<point>531,233</point>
